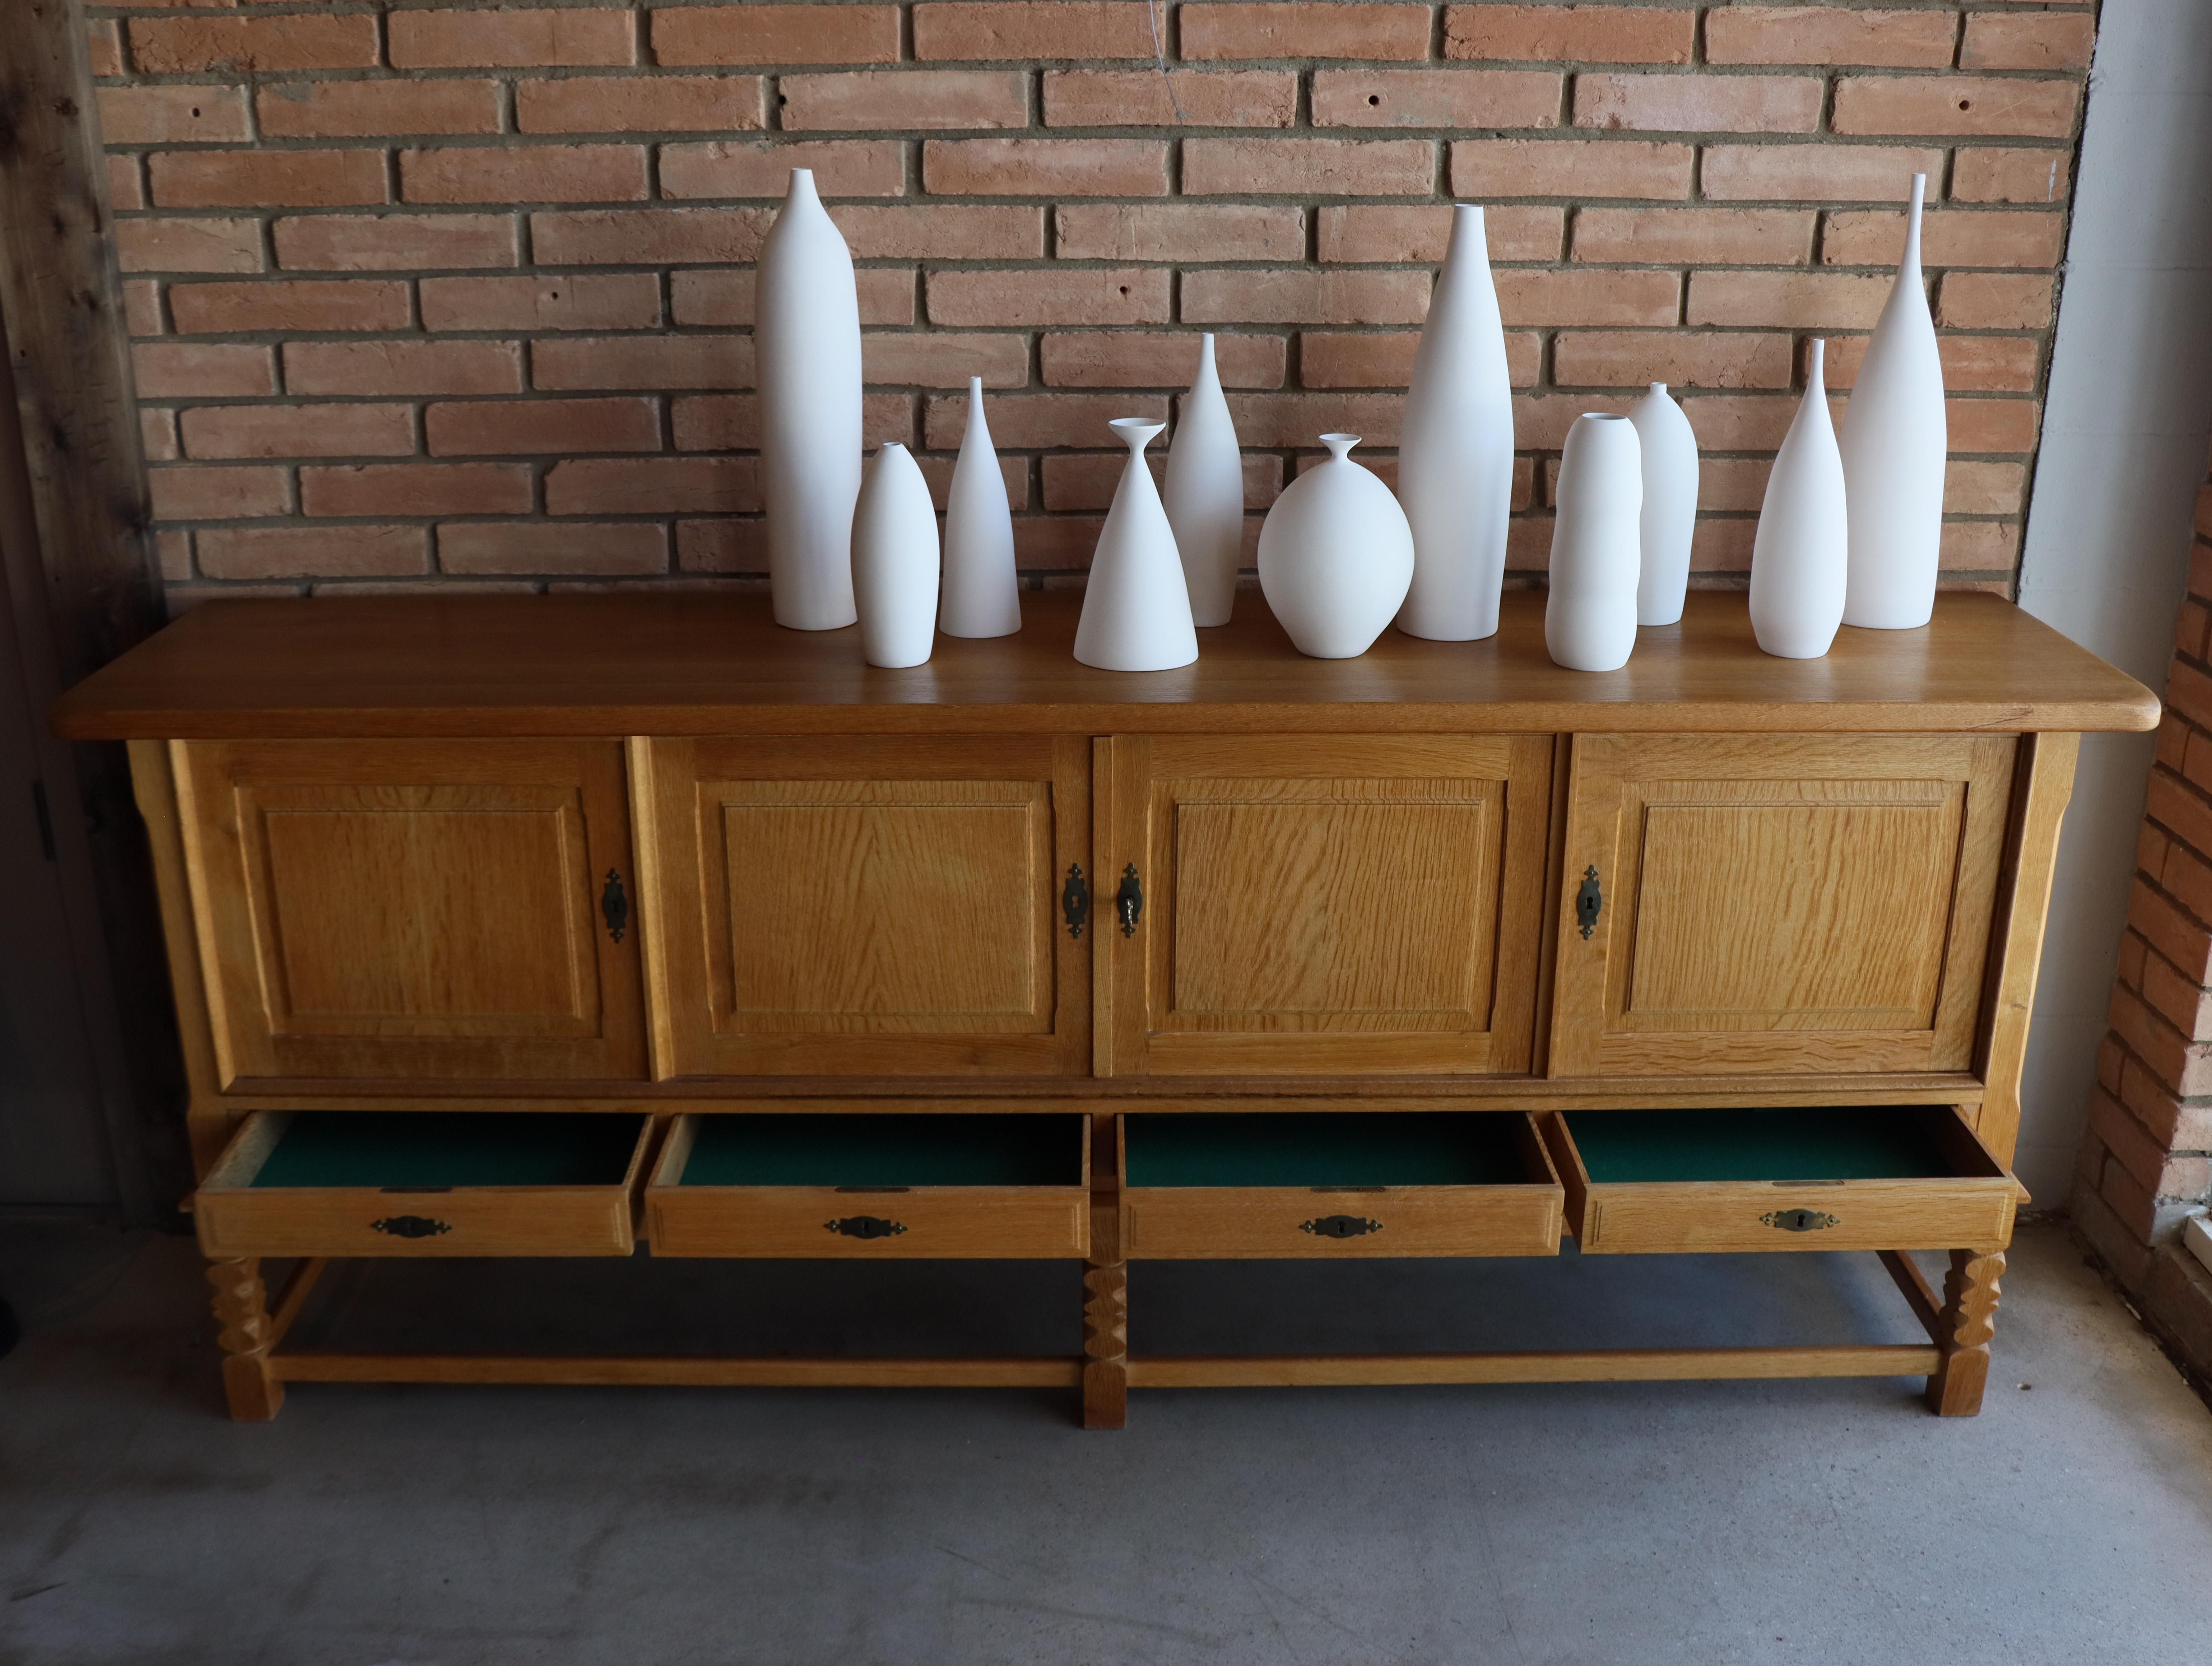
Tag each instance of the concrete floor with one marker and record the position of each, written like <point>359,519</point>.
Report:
<point>1655,1523</point>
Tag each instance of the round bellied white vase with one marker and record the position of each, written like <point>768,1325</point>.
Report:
<point>895,561</point>
<point>806,336</point>
<point>1136,607</point>
<point>1335,555</point>
<point>1895,445</point>
<point>1670,520</point>
<point>1589,613</point>
<point>1205,493</point>
<point>1455,452</point>
<point>981,595</point>
<point>1801,555</point>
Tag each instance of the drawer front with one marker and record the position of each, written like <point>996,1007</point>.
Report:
<point>1206,1223</point>
<point>565,1220</point>
<point>951,1222</point>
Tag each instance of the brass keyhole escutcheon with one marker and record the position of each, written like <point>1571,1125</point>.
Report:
<point>1799,1220</point>
<point>1340,1226</point>
<point>1588,901</point>
<point>866,1226</point>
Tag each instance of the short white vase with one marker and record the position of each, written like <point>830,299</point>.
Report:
<point>1669,522</point>
<point>1895,443</point>
<point>895,561</point>
<point>1335,555</point>
<point>806,337</point>
<point>1136,607</point>
<point>1455,452</point>
<point>1205,493</point>
<point>1802,551</point>
<point>1589,615</point>
<point>981,597</point>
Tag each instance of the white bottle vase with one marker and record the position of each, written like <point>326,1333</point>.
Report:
<point>1456,455</point>
<point>1669,522</point>
<point>806,337</point>
<point>1204,495</point>
<point>1801,555</point>
<point>1589,615</point>
<point>1336,555</point>
<point>1136,607</point>
<point>895,561</point>
<point>1895,443</point>
<point>981,597</point>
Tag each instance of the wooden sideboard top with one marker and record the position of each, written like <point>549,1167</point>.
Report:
<point>677,663</point>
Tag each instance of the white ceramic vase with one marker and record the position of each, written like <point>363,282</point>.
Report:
<point>981,595</point>
<point>1336,555</point>
<point>1669,520</point>
<point>1455,454</point>
<point>1204,495</point>
<point>806,336</point>
<point>1136,607</point>
<point>895,561</point>
<point>1801,552</point>
<point>1589,615</point>
<point>1894,447</point>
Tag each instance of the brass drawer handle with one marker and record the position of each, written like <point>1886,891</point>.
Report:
<point>1799,1220</point>
<point>1129,900</point>
<point>866,1226</point>
<point>1340,1226</point>
<point>409,1226</point>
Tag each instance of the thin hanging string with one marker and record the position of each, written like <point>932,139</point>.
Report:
<point>1160,53</point>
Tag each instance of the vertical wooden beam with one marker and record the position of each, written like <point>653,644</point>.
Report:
<point>246,1333</point>
<point>1105,1286</point>
<point>1969,1323</point>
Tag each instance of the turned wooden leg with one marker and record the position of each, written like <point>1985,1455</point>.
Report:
<point>1970,1320</point>
<point>1105,1298</point>
<point>242,1309</point>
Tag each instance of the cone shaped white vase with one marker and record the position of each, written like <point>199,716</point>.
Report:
<point>1802,551</point>
<point>806,337</point>
<point>1589,612</point>
<point>1205,493</point>
<point>981,596</point>
<point>1670,520</point>
<point>1335,555</point>
<point>895,561</point>
<point>1136,608</point>
<point>1894,447</point>
<point>1455,454</point>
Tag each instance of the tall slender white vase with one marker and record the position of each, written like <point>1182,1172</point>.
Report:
<point>1136,607</point>
<point>1589,615</point>
<point>981,596</point>
<point>806,336</point>
<point>1204,495</point>
<point>1456,455</point>
<point>1896,440</point>
<point>1801,555</point>
<point>1335,555</point>
<point>895,561</point>
<point>1669,522</point>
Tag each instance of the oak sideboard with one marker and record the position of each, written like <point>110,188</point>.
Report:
<point>550,926</point>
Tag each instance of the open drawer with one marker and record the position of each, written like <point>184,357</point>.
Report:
<point>424,1182</point>
<point>1011,1185</point>
<point>1803,1177</point>
<point>1206,1185</point>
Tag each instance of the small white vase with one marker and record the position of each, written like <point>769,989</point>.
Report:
<point>1801,552</point>
<point>1589,615</point>
<point>1335,555</point>
<point>895,561</point>
<point>1204,495</point>
<point>806,337</point>
<point>1136,607</point>
<point>1669,522</point>
<point>1455,452</point>
<point>1895,444</point>
<point>981,596</point>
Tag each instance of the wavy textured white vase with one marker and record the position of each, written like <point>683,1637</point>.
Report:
<point>895,561</point>
<point>1336,555</point>
<point>1455,454</point>
<point>806,336</point>
<point>1802,553</point>
<point>1669,520</point>
<point>1589,613</point>
<point>1205,493</point>
<point>981,597</point>
<point>1896,440</point>
<point>1136,607</point>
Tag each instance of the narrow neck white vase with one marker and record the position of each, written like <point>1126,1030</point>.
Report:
<point>981,594</point>
<point>1204,495</point>
<point>1669,522</point>
<point>895,561</point>
<point>1136,607</point>
<point>1800,554</point>
<point>1589,613</point>
<point>1335,555</point>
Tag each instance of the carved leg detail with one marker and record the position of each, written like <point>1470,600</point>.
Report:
<point>1106,1345</point>
<point>241,1311</point>
<point>1970,1320</point>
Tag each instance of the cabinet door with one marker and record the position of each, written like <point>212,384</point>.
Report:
<point>1326,905</point>
<point>1776,903</point>
<point>878,906</point>
<point>376,910</point>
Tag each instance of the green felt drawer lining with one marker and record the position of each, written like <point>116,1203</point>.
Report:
<point>867,1149</point>
<point>452,1148</point>
<point>1822,1142</point>
<point>1312,1148</point>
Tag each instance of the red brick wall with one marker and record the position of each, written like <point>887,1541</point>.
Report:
<point>441,293</point>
